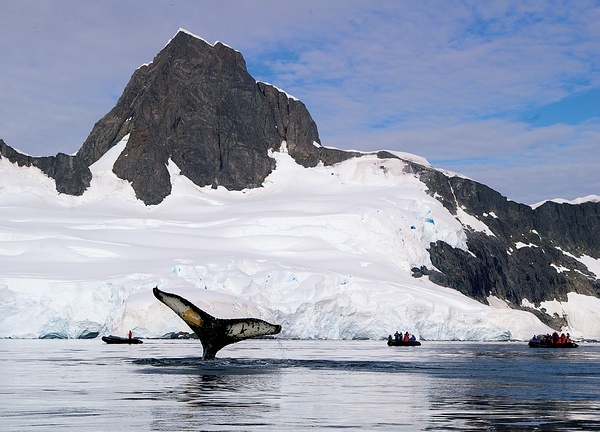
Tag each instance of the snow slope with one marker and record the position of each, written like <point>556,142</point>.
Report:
<point>326,252</point>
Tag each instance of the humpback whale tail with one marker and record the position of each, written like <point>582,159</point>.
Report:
<point>215,333</point>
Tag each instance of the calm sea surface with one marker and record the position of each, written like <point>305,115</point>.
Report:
<point>275,385</point>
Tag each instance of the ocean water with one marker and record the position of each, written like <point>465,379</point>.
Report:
<point>280,385</point>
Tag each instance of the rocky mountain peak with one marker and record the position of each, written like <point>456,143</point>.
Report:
<point>197,105</point>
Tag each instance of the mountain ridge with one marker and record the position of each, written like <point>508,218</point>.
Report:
<point>196,106</point>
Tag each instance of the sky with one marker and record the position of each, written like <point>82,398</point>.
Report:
<point>504,92</point>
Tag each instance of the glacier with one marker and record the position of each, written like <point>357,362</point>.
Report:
<point>326,252</point>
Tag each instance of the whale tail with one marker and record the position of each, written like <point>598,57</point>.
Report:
<point>215,333</point>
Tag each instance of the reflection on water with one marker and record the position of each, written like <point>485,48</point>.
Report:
<point>507,389</point>
<point>295,385</point>
<point>473,405</point>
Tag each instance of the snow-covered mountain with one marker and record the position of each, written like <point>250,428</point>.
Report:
<point>325,251</point>
<point>215,187</point>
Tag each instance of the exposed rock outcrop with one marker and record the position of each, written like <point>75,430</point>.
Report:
<point>197,105</point>
<point>70,174</point>
<point>530,254</point>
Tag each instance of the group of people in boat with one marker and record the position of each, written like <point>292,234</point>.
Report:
<point>398,337</point>
<point>554,339</point>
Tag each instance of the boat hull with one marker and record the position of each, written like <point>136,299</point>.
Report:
<point>534,344</point>
<point>402,343</point>
<point>120,340</point>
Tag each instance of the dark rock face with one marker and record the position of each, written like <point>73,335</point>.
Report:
<point>501,265</point>
<point>71,176</point>
<point>197,105</point>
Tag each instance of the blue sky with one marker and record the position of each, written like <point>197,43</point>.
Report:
<point>506,93</point>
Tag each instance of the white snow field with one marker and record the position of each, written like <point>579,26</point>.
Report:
<point>325,252</point>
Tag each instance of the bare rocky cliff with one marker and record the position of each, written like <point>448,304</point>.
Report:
<point>71,175</point>
<point>530,254</point>
<point>197,105</point>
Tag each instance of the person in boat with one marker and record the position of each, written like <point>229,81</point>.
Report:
<point>130,334</point>
<point>390,338</point>
<point>397,336</point>
<point>555,338</point>
<point>412,338</point>
<point>406,337</point>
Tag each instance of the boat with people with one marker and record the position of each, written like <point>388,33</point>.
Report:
<point>110,339</point>
<point>403,340</point>
<point>552,341</point>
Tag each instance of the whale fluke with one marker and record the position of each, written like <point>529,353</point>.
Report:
<point>215,333</point>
